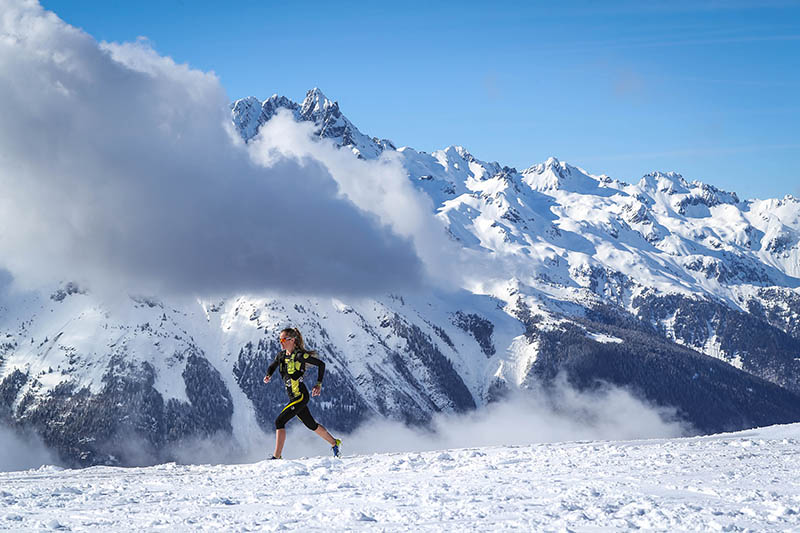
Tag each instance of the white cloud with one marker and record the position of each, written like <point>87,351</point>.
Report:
<point>119,170</point>
<point>380,187</point>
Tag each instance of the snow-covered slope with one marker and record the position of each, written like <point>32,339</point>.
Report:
<point>732,482</point>
<point>631,284</point>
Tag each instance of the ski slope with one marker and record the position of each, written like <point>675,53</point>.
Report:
<point>730,482</point>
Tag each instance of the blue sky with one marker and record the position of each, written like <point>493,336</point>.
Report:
<point>707,89</point>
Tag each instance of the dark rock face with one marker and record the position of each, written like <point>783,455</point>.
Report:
<point>210,406</point>
<point>609,284</point>
<point>9,389</point>
<point>764,350</point>
<point>710,394</point>
<point>480,329</point>
<point>779,244</point>
<point>706,195</point>
<point>127,423</point>
<point>441,376</point>
<point>68,290</point>
<point>122,425</point>
<point>779,307</point>
<point>731,268</point>
<point>249,370</point>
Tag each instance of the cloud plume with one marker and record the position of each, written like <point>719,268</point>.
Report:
<point>119,168</point>
<point>527,417</point>
<point>22,451</point>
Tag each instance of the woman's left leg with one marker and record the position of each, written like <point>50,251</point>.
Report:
<point>322,432</point>
<point>319,429</point>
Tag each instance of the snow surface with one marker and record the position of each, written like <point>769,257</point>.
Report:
<point>730,482</point>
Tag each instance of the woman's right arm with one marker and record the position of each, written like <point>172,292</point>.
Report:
<point>271,369</point>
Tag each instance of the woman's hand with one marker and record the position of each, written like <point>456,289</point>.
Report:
<point>317,390</point>
<point>266,379</point>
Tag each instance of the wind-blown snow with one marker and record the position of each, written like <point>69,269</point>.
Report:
<point>728,482</point>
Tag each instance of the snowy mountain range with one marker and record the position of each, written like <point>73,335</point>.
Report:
<point>678,291</point>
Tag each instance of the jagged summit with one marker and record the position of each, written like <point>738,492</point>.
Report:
<point>558,168</point>
<point>460,151</point>
<point>552,162</point>
<point>248,117</point>
<point>249,114</point>
<point>555,175</point>
<point>316,102</point>
<point>694,199</point>
<point>666,182</point>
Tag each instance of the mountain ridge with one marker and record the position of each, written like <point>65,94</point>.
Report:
<point>673,289</point>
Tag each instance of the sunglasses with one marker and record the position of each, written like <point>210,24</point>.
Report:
<point>286,339</point>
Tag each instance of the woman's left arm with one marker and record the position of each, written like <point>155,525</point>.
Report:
<point>310,359</point>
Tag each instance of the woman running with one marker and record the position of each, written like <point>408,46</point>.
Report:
<point>292,361</point>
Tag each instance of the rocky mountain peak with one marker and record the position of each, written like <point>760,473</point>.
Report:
<point>553,162</point>
<point>666,182</point>
<point>248,115</point>
<point>548,176</point>
<point>316,104</point>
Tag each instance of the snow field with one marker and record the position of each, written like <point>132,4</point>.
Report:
<point>745,481</point>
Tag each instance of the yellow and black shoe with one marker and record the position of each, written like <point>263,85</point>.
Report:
<point>335,448</point>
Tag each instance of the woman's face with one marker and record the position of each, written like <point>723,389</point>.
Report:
<point>287,342</point>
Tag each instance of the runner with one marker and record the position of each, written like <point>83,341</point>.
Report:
<point>292,361</point>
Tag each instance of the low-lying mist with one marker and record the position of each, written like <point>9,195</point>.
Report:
<point>23,451</point>
<point>538,416</point>
<point>557,414</point>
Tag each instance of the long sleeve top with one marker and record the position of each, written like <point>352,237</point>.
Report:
<point>292,368</point>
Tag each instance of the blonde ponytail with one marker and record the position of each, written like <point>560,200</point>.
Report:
<point>298,337</point>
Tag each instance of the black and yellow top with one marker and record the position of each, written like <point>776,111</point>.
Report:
<point>293,366</point>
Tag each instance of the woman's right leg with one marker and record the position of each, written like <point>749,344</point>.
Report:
<point>280,427</point>
<point>280,439</point>
<point>294,407</point>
